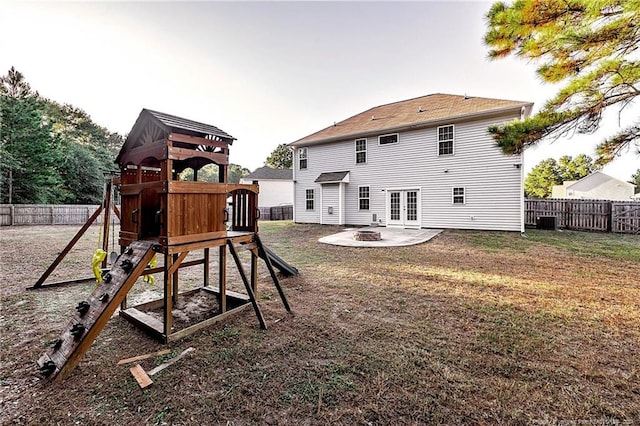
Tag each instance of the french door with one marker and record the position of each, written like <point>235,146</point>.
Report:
<point>403,208</point>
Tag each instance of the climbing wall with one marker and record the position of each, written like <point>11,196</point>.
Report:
<point>92,314</point>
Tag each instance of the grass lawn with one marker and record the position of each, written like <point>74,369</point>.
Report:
<point>469,328</point>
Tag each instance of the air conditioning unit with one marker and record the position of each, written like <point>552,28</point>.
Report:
<point>546,222</point>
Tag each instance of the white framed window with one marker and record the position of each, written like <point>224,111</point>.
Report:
<point>457,195</point>
<point>363,197</point>
<point>388,139</point>
<point>310,199</point>
<point>445,140</point>
<point>302,158</point>
<point>361,151</point>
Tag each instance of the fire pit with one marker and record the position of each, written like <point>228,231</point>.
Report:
<point>366,236</point>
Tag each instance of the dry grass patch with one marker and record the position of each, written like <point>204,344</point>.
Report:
<point>470,328</point>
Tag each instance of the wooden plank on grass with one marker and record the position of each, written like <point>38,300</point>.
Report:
<point>141,376</point>
<point>171,361</point>
<point>141,357</point>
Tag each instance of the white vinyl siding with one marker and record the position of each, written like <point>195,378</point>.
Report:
<point>274,192</point>
<point>492,183</point>
<point>330,204</point>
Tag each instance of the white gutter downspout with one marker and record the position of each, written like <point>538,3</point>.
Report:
<point>295,186</point>
<point>523,114</point>
<point>522,193</point>
<point>321,207</point>
<point>341,203</point>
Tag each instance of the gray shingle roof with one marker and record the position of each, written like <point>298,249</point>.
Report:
<point>177,123</point>
<point>331,177</point>
<point>267,172</point>
<point>594,180</point>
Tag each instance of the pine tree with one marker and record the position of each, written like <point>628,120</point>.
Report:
<point>591,46</point>
<point>29,173</point>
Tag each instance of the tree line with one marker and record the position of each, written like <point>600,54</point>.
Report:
<point>52,153</point>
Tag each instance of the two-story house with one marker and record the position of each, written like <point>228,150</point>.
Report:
<point>427,162</point>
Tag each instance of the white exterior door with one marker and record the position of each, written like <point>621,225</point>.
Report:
<point>403,208</point>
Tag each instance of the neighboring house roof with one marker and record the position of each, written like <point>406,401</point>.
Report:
<point>418,112</point>
<point>332,177</point>
<point>267,172</point>
<point>593,181</point>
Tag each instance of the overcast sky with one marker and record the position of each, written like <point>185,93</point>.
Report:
<point>265,72</point>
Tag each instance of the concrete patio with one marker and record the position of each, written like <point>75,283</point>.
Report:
<point>390,237</point>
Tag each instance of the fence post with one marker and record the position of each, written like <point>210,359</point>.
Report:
<point>12,213</point>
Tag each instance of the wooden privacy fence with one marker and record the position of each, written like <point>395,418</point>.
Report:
<point>586,215</point>
<point>276,213</point>
<point>281,213</point>
<point>46,214</point>
<point>78,214</point>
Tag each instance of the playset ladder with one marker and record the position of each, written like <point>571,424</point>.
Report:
<point>92,314</point>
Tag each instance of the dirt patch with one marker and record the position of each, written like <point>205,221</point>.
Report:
<point>470,328</point>
<point>190,310</point>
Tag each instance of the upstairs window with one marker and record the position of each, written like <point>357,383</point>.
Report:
<point>363,197</point>
<point>361,151</point>
<point>309,198</point>
<point>458,195</point>
<point>445,140</point>
<point>302,158</point>
<point>388,139</point>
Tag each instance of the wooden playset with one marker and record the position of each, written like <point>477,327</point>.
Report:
<point>165,216</point>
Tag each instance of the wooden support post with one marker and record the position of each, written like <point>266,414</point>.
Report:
<point>247,286</point>
<point>177,261</point>
<point>272,272</point>
<point>222,276</point>
<point>254,272</point>
<point>123,304</point>
<point>168,302</point>
<point>107,221</point>
<point>175,278</point>
<point>222,173</point>
<point>68,248</point>
<point>205,278</point>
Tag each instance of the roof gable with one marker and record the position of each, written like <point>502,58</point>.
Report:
<point>418,112</point>
<point>152,126</point>
<point>595,180</point>
<point>173,123</point>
